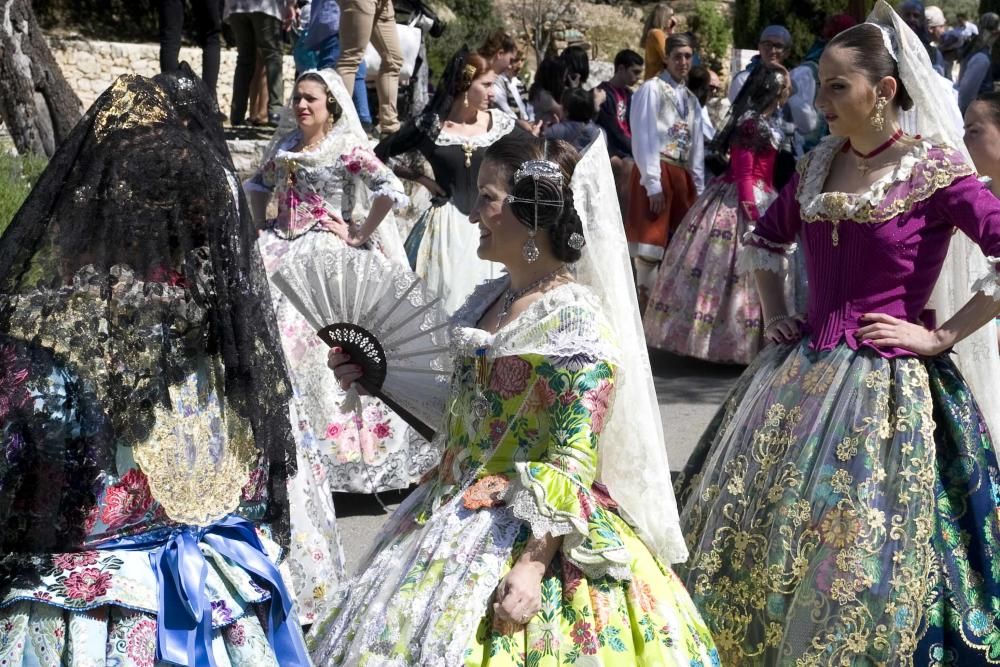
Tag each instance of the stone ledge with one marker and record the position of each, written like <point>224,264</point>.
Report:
<point>91,66</point>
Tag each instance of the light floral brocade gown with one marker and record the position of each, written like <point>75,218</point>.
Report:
<point>364,449</point>
<point>524,465</point>
<point>842,507</point>
<point>703,306</point>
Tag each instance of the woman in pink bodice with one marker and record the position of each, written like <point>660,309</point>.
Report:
<point>842,508</point>
<point>701,307</point>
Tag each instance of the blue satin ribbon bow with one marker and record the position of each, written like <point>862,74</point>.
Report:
<point>184,618</point>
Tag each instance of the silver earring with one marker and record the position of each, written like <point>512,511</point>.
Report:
<point>529,250</point>
<point>576,241</point>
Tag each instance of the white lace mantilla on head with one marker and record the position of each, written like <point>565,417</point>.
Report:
<point>501,125</point>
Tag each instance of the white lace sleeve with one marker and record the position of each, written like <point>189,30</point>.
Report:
<point>989,281</point>
<point>760,254</point>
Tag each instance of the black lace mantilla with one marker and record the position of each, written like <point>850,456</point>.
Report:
<point>132,262</point>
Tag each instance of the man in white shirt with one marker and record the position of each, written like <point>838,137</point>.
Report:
<point>668,145</point>
<point>965,27</point>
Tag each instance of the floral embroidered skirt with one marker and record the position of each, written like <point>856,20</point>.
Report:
<point>701,305</point>
<point>842,509</point>
<point>425,599</point>
<point>98,609</point>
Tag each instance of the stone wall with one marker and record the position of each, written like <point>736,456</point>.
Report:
<point>92,66</point>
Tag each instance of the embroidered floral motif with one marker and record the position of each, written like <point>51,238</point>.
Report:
<point>853,507</point>
<point>510,376</point>
<point>598,401</point>
<point>127,501</point>
<point>141,643</point>
<point>88,584</point>
<point>487,492</point>
<point>236,634</point>
<point>71,561</point>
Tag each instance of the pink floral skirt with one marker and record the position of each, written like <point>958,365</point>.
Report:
<point>701,306</point>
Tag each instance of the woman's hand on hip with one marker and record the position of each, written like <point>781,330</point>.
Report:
<point>888,331</point>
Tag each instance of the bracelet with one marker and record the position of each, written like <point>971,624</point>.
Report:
<point>774,319</point>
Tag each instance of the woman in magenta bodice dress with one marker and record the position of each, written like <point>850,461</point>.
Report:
<point>702,306</point>
<point>842,508</point>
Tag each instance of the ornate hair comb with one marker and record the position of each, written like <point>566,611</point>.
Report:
<point>535,170</point>
<point>469,72</point>
<point>539,169</point>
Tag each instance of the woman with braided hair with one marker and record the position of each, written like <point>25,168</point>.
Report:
<point>452,134</point>
<point>537,541</point>
<point>701,305</point>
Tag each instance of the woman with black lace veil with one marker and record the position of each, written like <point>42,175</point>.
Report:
<point>452,135</point>
<point>143,404</point>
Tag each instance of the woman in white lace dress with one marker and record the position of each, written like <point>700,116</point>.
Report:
<point>536,541</point>
<point>330,190</point>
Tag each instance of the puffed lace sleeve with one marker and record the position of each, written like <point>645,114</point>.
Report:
<point>565,407</point>
<point>377,177</point>
<point>772,240</point>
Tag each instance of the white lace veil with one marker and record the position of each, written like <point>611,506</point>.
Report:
<point>348,129</point>
<point>634,466</point>
<point>348,121</point>
<point>935,115</point>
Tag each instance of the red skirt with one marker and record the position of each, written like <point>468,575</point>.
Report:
<point>648,234</point>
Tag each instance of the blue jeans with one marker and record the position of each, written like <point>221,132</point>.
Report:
<point>326,57</point>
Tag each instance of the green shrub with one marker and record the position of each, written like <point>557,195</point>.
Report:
<point>475,20</point>
<point>17,175</point>
<point>715,34</point>
<point>803,18</point>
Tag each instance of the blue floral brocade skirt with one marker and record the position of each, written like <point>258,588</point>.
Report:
<point>842,508</point>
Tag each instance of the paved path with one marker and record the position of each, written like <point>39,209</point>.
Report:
<point>689,392</point>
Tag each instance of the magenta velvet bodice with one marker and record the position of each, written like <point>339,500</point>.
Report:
<point>751,161</point>
<point>881,251</point>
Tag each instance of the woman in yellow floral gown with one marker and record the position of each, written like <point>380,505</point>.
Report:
<point>516,550</point>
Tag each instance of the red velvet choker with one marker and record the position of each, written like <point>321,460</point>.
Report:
<point>863,158</point>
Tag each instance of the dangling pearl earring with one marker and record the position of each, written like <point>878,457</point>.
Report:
<point>465,100</point>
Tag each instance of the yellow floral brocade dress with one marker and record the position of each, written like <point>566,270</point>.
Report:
<point>521,458</point>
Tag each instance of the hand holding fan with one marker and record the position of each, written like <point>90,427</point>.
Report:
<point>382,317</point>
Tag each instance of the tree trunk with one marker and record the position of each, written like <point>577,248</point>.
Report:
<point>36,102</point>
